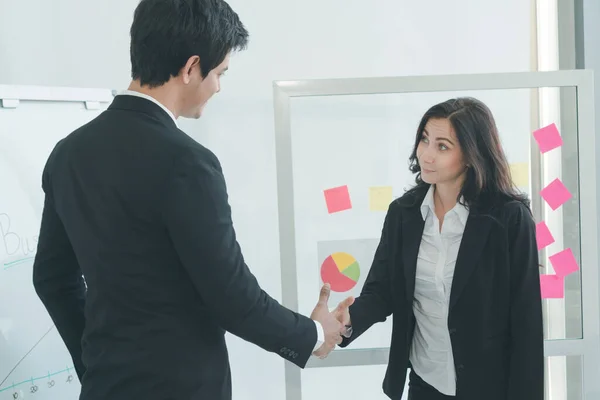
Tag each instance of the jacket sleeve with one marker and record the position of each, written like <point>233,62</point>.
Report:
<point>197,217</point>
<point>526,374</point>
<point>375,301</point>
<point>58,281</point>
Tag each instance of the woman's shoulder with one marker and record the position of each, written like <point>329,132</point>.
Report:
<point>512,210</point>
<point>514,205</point>
<point>413,197</point>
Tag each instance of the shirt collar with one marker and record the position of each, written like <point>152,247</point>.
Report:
<point>428,205</point>
<point>152,99</point>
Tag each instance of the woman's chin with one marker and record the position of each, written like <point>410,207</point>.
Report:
<point>427,178</point>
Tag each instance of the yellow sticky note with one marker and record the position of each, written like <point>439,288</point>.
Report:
<point>380,198</point>
<point>520,174</point>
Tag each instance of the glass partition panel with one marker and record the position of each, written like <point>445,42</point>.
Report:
<point>563,381</point>
<point>348,383</point>
<point>350,160</point>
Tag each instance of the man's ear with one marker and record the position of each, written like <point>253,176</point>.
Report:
<point>188,69</point>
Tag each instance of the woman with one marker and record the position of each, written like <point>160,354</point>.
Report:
<point>457,265</point>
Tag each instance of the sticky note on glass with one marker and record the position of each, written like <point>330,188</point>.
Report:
<point>552,287</point>
<point>380,198</point>
<point>548,138</point>
<point>337,199</point>
<point>555,194</point>
<point>520,174</point>
<point>543,235</point>
<point>564,263</point>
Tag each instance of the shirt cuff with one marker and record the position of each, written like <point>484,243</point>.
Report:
<point>320,335</point>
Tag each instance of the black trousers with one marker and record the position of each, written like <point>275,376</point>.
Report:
<point>418,389</point>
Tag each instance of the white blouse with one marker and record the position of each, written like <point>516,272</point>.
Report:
<point>431,351</point>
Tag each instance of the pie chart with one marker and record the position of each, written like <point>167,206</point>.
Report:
<point>341,271</point>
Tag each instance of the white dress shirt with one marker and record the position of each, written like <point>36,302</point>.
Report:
<point>431,351</point>
<point>320,332</point>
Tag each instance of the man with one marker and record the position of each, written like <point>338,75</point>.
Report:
<point>141,210</point>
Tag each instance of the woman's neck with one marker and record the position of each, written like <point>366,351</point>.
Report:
<point>445,197</point>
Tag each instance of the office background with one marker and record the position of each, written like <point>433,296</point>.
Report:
<point>81,43</point>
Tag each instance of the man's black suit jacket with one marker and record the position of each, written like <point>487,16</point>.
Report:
<point>141,210</point>
<point>495,316</point>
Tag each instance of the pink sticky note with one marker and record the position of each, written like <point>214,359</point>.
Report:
<point>552,287</point>
<point>543,235</point>
<point>548,138</point>
<point>337,199</point>
<point>564,263</point>
<point>556,194</point>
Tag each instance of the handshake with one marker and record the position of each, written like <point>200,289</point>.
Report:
<point>335,323</point>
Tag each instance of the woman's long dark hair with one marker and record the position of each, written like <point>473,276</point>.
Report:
<point>488,178</point>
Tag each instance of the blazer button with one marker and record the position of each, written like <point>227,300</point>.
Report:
<point>295,355</point>
<point>452,331</point>
<point>283,350</point>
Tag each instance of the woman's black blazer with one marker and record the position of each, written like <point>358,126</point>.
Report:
<point>495,316</point>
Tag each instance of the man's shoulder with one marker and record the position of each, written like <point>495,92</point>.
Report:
<point>189,152</point>
<point>165,146</point>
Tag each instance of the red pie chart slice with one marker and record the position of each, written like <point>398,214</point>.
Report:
<point>339,276</point>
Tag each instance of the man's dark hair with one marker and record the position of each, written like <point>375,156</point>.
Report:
<point>166,33</point>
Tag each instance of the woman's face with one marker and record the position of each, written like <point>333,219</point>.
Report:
<point>439,153</point>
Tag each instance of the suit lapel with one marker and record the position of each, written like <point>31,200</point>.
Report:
<point>474,237</point>
<point>412,231</point>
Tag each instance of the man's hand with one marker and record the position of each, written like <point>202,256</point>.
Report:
<point>332,327</point>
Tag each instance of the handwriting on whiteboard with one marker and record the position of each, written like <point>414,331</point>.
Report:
<point>14,246</point>
<point>38,384</point>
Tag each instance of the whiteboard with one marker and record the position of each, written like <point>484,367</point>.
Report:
<point>34,362</point>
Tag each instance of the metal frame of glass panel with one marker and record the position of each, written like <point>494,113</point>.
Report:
<point>587,347</point>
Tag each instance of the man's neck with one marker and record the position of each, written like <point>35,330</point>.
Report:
<point>163,94</point>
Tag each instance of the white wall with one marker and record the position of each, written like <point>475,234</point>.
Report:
<point>70,43</point>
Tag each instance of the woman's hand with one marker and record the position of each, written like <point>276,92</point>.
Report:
<point>342,314</point>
